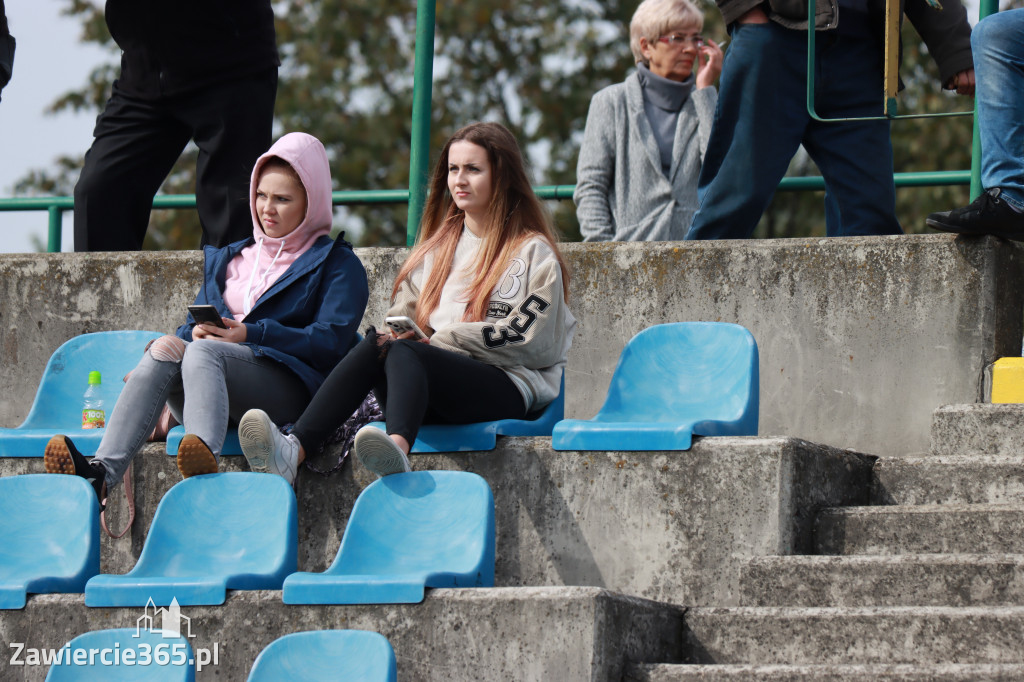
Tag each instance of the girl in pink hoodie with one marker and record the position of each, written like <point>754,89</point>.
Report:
<point>289,298</point>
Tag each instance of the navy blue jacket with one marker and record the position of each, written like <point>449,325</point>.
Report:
<point>308,319</point>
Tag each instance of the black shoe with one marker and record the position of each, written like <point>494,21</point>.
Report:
<point>62,457</point>
<point>988,214</point>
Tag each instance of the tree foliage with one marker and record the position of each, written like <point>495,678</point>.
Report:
<point>347,77</point>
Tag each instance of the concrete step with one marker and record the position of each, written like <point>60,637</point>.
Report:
<point>905,580</point>
<point>911,635</point>
<point>560,633</point>
<point>668,526</point>
<point>949,479</point>
<point>978,429</point>
<point>665,672</point>
<point>922,529</point>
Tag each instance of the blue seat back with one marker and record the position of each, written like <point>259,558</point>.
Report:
<point>685,372</point>
<point>49,537</point>
<point>57,407</point>
<point>232,524</point>
<point>146,647</point>
<point>231,445</point>
<point>420,523</point>
<point>326,655</point>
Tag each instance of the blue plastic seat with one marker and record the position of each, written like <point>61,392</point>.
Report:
<point>326,656</point>
<point>147,647</point>
<point>49,536</point>
<point>231,445</point>
<point>484,435</point>
<point>407,532</point>
<point>673,381</point>
<point>58,404</point>
<point>211,533</point>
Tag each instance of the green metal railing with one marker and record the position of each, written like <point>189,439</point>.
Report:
<point>56,206</point>
<point>419,160</point>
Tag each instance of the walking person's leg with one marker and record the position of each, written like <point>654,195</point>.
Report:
<point>136,144</point>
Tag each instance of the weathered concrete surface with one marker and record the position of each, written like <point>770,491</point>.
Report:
<point>859,338</point>
<point>481,634</point>
<point>980,428</point>
<point>907,580</point>
<point>922,529</point>
<point>951,479</point>
<point>871,635</point>
<point>826,673</point>
<point>670,526</point>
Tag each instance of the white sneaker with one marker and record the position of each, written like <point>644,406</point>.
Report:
<point>379,453</point>
<point>266,449</point>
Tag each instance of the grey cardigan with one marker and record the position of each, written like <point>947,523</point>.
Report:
<point>621,192</point>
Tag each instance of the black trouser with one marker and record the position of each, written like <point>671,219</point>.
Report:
<point>137,143</point>
<point>415,383</point>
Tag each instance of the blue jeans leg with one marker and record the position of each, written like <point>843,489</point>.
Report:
<point>998,45</point>
<point>135,414</point>
<point>222,380</point>
<point>854,157</point>
<point>759,121</point>
<point>214,383</point>
<point>762,118</point>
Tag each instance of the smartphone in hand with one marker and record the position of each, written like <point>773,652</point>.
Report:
<point>206,314</point>
<point>401,323</point>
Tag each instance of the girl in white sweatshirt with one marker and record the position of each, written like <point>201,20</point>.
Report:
<point>488,287</point>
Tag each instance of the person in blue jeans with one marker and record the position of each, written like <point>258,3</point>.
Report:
<point>998,44</point>
<point>761,117</point>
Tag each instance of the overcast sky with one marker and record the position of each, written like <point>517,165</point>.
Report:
<point>49,61</point>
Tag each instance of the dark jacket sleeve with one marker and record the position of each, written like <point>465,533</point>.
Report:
<point>946,33</point>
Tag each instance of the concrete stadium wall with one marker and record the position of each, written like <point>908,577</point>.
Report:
<point>675,527</point>
<point>859,338</point>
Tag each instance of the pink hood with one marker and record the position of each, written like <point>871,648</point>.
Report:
<point>259,265</point>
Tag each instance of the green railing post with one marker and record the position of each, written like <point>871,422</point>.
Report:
<point>986,8</point>
<point>54,231</point>
<point>422,93</point>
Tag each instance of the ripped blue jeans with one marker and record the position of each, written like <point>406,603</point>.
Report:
<point>214,382</point>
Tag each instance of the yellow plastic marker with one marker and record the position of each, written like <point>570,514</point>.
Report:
<point>1008,380</point>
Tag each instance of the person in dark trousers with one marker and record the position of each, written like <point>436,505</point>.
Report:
<point>762,119</point>
<point>6,49</point>
<point>191,70</point>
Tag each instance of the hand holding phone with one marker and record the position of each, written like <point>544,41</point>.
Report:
<point>401,324</point>
<point>206,314</point>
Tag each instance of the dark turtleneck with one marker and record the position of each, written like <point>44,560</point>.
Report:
<point>663,100</point>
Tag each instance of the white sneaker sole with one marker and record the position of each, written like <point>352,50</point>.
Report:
<point>379,453</point>
<point>255,434</point>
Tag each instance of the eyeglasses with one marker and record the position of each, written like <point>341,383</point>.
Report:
<point>678,40</point>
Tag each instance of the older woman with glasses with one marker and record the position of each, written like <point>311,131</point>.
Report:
<point>636,179</point>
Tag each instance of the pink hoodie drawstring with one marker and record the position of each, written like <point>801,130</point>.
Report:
<point>247,301</point>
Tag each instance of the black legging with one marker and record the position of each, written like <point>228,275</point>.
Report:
<point>415,383</point>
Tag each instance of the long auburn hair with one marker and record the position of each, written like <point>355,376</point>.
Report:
<point>514,216</point>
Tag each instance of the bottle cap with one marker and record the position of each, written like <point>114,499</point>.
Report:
<point>94,378</point>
